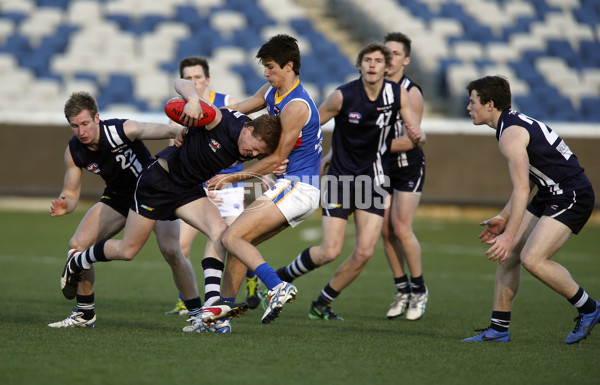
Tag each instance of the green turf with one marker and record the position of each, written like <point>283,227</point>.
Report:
<point>134,343</point>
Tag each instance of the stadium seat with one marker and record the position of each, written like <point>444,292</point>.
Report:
<point>226,22</point>
<point>117,90</point>
<point>50,40</point>
<point>61,4</point>
<point>467,51</point>
<point>590,109</point>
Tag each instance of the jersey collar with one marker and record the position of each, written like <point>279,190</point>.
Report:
<point>278,98</point>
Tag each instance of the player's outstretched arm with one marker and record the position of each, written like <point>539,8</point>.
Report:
<point>143,131</point>
<point>69,196</point>
<point>252,104</point>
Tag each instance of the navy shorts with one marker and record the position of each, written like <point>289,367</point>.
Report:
<point>340,199</point>
<point>573,209</point>
<point>157,196</point>
<point>408,178</point>
<point>118,201</point>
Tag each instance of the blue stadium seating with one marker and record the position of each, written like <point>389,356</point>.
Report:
<point>323,64</point>
<point>547,21</point>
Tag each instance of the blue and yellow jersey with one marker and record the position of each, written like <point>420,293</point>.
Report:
<point>305,157</point>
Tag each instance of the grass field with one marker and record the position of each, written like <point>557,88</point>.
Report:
<point>134,343</point>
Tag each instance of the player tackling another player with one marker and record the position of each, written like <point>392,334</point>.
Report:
<point>229,201</point>
<point>295,195</point>
<point>170,188</point>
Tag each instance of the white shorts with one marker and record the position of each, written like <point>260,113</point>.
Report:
<point>296,200</point>
<point>232,204</point>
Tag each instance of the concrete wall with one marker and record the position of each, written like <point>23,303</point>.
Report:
<point>462,168</point>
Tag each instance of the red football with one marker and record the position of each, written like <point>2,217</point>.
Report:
<point>174,109</point>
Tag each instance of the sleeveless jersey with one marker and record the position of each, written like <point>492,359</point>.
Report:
<point>552,165</point>
<point>410,157</point>
<point>361,136</point>
<point>222,100</point>
<point>204,153</point>
<point>118,160</point>
<point>305,157</point>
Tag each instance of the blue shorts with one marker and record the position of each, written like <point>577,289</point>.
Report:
<point>573,209</point>
<point>117,200</point>
<point>408,178</point>
<point>157,196</point>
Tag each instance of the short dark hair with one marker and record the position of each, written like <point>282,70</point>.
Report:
<point>281,49</point>
<point>399,37</point>
<point>372,47</point>
<point>194,61</point>
<point>79,101</point>
<point>492,88</point>
<point>268,128</point>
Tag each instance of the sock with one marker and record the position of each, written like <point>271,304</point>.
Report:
<point>299,266</point>
<point>500,321</point>
<point>213,270</point>
<point>327,295</point>
<point>417,284</point>
<point>180,296</point>
<point>228,299</point>
<point>582,301</point>
<point>250,274</point>
<point>194,306</point>
<point>85,304</point>
<point>85,259</point>
<point>401,284</point>
<point>268,275</point>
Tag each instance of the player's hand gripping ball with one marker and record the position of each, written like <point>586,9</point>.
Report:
<point>174,109</point>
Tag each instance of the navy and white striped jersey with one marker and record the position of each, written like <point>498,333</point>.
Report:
<point>118,160</point>
<point>552,165</point>
<point>416,155</point>
<point>362,134</point>
<point>204,153</point>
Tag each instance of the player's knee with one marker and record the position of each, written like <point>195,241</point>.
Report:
<point>169,252</point>
<point>403,233</point>
<point>530,264</point>
<point>77,244</point>
<point>216,230</point>
<point>362,254</point>
<point>128,253</point>
<point>228,238</point>
<point>329,253</point>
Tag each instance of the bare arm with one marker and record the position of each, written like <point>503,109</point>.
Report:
<point>331,107</point>
<point>325,161</point>
<point>513,145</point>
<point>252,104</point>
<point>69,196</point>
<point>141,130</point>
<point>411,121</point>
<point>403,143</point>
